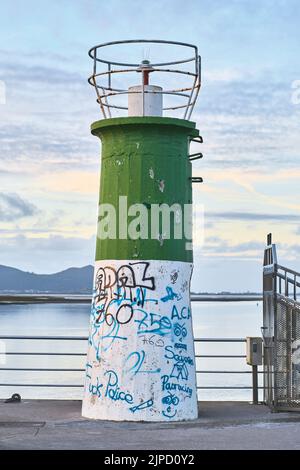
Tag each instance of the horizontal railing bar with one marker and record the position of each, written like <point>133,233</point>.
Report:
<point>62,338</point>
<point>24,353</point>
<point>225,372</point>
<point>85,338</point>
<point>288,270</point>
<point>82,370</point>
<point>222,356</point>
<point>41,385</point>
<point>226,388</point>
<point>40,369</point>
<point>220,340</point>
<point>81,386</point>
<point>83,354</point>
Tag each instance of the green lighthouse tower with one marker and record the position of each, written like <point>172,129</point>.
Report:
<point>141,361</point>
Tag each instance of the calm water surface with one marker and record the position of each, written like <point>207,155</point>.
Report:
<point>210,320</point>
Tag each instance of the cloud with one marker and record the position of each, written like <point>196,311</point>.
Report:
<point>13,207</point>
<point>253,216</point>
<point>46,254</point>
<point>219,246</point>
<point>16,72</point>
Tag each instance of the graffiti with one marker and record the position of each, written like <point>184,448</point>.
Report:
<point>171,400</point>
<point>128,283</point>
<point>110,335</point>
<point>172,355</point>
<point>157,342</point>
<point>140,363</point>
<point>167,385</point>
<point>129,275</point>
<point>142,406</point>
<point>184,314</point>
<point>171,295</point>
<point>154,323</point>
<point>113,391</point>
<point>88,367</point>
<point>180,330</point>
<point>174,276</point>
<point>180,371</point>
<point>96,389</point>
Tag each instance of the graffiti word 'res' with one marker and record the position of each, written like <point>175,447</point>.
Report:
<point>113,391</point>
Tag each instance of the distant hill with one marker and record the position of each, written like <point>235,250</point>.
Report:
<point>70,281</point>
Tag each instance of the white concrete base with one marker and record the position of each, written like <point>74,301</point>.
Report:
<point>141,360</point>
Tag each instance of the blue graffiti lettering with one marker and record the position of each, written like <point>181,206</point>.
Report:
<point>170,354</point>
<point>154,323</point>
<point>184,314</point>
<point>96,389</point>
<point>171,295</point>
<point>139,360</point>
<point>142,406</point>
<point>113,391</point>
<point>167,385</point>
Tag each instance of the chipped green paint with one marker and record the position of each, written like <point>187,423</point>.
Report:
<point>145,159</point>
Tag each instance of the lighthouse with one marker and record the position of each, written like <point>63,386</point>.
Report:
<point>141,361</point>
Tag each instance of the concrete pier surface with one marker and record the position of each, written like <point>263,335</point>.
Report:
<point>54,424</point>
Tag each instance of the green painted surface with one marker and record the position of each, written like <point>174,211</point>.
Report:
<point>145,159</point>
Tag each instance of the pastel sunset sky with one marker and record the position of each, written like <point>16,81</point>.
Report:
<point>49,166</point>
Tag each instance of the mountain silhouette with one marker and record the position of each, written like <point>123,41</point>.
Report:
<point>69,281</point>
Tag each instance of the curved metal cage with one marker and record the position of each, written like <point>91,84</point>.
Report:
<point>111,94</point>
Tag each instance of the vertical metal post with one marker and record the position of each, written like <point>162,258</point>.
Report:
<point>254,385</point>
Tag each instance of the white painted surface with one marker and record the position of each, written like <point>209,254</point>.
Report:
<point>150,106</point>
<point>141,360</point>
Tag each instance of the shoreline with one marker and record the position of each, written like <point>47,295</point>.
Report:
<point>73,298</point>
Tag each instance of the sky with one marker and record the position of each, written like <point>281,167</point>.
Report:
<point>246,112</point>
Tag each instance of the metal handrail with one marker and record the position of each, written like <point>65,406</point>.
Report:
<point>82,354</point>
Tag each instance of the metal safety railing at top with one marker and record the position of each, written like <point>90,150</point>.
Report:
<point>254,387</point>
<point>106,71</point>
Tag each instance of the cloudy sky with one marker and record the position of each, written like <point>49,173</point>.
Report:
<point>49,166</point>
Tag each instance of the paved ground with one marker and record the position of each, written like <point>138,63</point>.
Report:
<point>43,424</point>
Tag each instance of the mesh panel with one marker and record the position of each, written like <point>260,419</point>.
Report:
<point>287,354</point>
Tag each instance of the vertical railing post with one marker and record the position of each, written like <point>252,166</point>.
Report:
<point>254,385</point>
